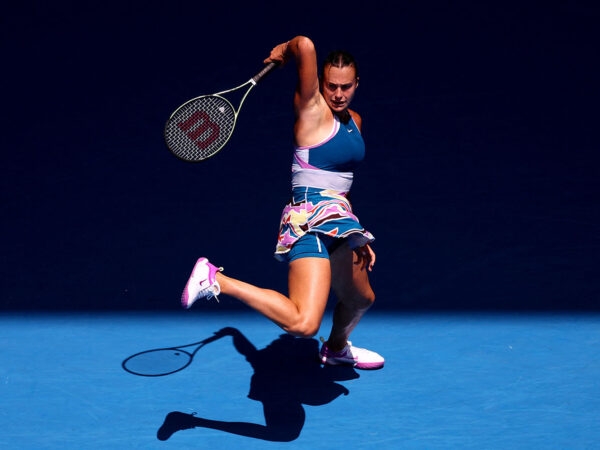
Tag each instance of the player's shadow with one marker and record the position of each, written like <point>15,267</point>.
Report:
<point>287,375</point>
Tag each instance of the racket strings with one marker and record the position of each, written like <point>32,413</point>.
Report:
<point>200,128</point>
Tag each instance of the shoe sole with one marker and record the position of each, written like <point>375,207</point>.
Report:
<point>185,295</point>
<point>369,366</point>
<point>356,365</point>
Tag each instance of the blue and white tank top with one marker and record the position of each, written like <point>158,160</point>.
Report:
<point>330,163</point>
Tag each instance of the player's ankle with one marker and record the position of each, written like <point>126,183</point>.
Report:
<point>335,346</point>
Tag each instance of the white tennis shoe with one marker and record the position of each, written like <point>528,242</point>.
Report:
<point>201,284</point>
<point>361,358</point>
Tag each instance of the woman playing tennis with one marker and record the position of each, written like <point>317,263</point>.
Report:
<point>320,238</point>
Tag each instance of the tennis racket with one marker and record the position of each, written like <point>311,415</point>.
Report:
<point>202,126</point>
<point>163,361</point>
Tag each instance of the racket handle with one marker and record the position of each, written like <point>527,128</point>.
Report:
<point>256,78</point>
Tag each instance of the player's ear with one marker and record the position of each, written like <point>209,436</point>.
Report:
<point>356,86</point>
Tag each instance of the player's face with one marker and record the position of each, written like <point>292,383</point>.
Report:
<point>339,85</point>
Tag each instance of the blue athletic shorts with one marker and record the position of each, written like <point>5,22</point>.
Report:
<point>313,245</point>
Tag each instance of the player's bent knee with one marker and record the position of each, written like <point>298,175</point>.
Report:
<point>370,299</point>
<point>304,332</point>
<point>304,329</point>
<point>362,302</point>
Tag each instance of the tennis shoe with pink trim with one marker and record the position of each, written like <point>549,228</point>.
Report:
<point>201,284</point>
<point>360,358</point>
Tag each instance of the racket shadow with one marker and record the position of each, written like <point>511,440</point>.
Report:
<point>287,375</point>
<point>159,362</point>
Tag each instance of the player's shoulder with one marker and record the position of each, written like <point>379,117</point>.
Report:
<point>356,117</point>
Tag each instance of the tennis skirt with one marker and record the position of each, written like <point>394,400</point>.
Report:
<point>314,210</point>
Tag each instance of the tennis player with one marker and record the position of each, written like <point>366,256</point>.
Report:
<point>320,238</point>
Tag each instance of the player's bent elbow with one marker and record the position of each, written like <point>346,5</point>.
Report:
<point>305,45</point>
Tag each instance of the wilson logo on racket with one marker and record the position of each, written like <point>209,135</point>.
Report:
<point>200,129</point>
<point>202,126</point>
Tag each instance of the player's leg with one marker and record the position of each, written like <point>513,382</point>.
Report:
<point>350,283</point>
<point>301,312</point>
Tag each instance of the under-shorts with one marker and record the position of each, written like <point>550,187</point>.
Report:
<point>313,245</point>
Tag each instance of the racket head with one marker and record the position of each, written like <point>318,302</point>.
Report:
<point>158,362</point>
<point>199,128</point>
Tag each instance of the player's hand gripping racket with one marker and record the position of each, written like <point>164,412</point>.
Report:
<point>164,361</point>
<point>200,127</point>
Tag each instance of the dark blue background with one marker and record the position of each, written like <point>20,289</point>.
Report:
<point>480,184</point>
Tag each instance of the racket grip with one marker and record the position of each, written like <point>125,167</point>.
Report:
<point>256,78</point>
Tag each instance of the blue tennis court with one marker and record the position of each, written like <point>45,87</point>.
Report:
<point>480,185</point>
<point>450,381</point>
